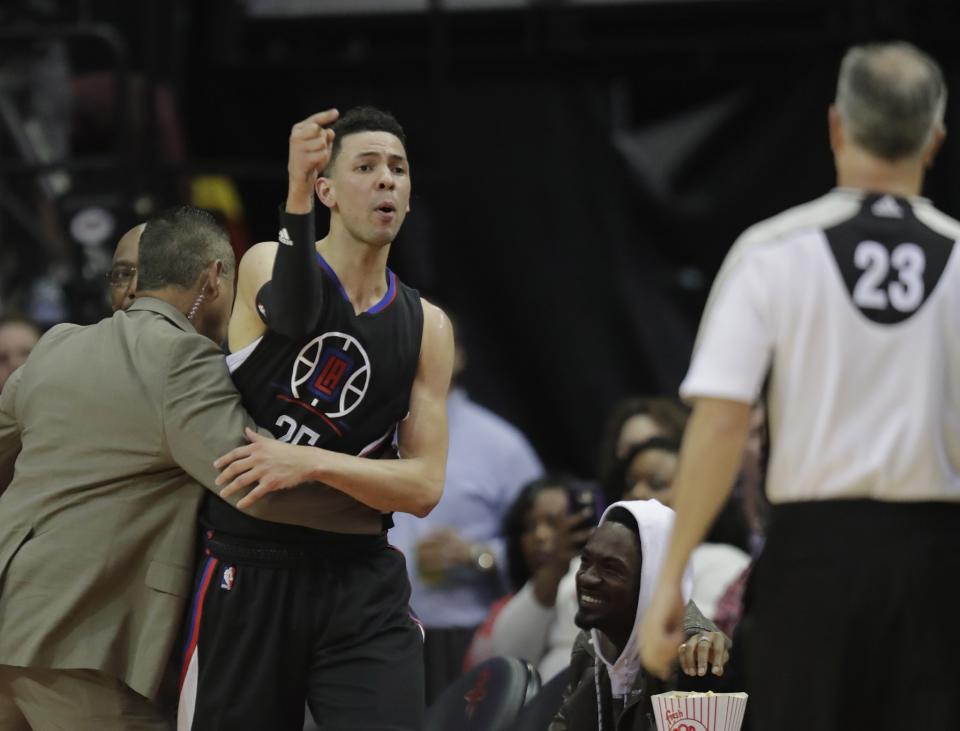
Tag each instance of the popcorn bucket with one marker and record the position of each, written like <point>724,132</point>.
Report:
<point>677,711</point>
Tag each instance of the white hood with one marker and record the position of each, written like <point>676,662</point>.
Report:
<point>655,521</point>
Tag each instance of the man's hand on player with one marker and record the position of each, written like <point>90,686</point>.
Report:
<point>310,146</point>
<point>265,464</point>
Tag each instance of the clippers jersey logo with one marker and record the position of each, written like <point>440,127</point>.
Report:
<point>332,373</point>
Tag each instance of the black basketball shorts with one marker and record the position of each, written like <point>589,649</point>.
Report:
<point>272,625</point>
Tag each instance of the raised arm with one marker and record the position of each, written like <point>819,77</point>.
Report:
<point>411,484</point>
<point>280,286</point>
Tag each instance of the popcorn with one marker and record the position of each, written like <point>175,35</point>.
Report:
<point>678,711</point>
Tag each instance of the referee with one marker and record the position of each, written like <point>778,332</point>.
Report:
<point>844,313</point>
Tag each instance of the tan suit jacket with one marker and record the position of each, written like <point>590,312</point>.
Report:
<point>116,425</point>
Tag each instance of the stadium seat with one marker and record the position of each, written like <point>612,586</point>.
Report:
<point>488,698</point>
<point>539,712</point>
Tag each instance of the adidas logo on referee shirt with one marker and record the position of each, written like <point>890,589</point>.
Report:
<point>887,207</point>
<point>284,237</point>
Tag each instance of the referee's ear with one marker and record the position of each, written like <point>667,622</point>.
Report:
<point>835,126</point>
<point>934,145</point>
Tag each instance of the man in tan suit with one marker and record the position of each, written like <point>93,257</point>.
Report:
<point>116,426</point>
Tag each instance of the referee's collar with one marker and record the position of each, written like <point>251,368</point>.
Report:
<point>153,304</point>
<point>861,193</point>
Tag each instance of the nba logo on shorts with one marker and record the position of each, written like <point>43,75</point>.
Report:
<point>226,581</point>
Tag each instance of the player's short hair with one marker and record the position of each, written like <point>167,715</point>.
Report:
<point>363,119</point>
<point>891,98</point>
<point>177,245</point>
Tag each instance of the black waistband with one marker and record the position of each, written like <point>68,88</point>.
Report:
<point>218,515</point>
<point>830,525</point>
<point>323,545</point>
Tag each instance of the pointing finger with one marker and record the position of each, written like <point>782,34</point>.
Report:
<point>322,119</point>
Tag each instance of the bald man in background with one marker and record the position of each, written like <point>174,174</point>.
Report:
<point>123,272</point>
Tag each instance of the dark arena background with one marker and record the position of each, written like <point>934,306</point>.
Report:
<point>580,168</point>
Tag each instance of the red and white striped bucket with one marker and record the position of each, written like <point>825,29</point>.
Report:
<point>679,711</point>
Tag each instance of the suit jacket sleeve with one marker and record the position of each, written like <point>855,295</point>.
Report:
<point>9,429</point>
<point>202,415</point>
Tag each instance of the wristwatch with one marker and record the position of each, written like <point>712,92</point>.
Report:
<point>483,560</point>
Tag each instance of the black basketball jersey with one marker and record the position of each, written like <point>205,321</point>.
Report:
<point>345,387</point>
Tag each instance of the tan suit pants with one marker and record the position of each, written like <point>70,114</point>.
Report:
<point>40,699</point>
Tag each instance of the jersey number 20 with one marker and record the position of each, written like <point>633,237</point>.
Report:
<point>905,293</point>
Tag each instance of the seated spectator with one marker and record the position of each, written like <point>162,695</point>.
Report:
<point>18,335</point>
<point>542,538</point>
<point>608,688</point>
<point>636,419</point>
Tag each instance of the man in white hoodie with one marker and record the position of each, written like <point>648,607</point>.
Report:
<point>607,687</point>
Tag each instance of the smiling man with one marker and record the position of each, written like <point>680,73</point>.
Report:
<point>349,368</point>
<point>618,570</point>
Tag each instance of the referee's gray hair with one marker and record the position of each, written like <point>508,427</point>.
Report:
<point>891,98</point>
<point>178,245</point>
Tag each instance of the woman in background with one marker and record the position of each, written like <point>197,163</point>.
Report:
<point>543,536</point>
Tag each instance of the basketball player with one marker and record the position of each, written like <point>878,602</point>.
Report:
<point>349,368</point>
<point>850,307</point>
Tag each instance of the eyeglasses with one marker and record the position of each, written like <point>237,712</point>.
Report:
<point>121,275</point>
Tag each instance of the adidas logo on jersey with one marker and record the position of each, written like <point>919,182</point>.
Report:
<point>284,237</point>
<point>887,207</point>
